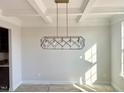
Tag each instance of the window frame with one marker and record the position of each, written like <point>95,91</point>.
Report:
<point>122,49</point>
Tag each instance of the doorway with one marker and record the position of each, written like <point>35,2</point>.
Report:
<point>4,59</point>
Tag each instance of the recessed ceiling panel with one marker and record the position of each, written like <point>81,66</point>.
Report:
<point>108,3</point>
<point>14,4</point>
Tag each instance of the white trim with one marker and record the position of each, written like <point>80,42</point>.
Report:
<point>47,82</point>
<point>59,82</point>
<point>103,82</point>
<point>8,23</point>
<point>11,20</point>
<point>15,87</point>
<point>88,5</point>
<point>117,19</point>
<point>40,8</point>
<point>10,61</point>
<point>116,87</point>
<point>121,75</point>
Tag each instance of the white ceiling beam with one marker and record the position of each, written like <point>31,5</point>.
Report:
<point>96,11</point>
<point>72,12</point>
<point>86,7</point>
<point>107,13</point>
<point>62,12</point>
<point>40,8</point>
<point>37,15</point>
<point>49,12</point>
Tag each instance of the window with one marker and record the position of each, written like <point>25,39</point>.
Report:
<point>122,49</point>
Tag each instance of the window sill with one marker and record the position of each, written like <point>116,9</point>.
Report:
<point>122,76</point>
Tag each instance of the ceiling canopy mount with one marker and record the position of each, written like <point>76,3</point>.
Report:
<point>61,1</point>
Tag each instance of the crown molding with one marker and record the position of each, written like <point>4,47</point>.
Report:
<point>11,20</point>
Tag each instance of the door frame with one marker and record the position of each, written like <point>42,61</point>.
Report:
<point>10,59</point>
<point>9,56</point>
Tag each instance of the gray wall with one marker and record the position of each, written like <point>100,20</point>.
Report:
<point>50,66</point>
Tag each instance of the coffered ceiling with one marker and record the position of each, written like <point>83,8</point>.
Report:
<point>43,12</point>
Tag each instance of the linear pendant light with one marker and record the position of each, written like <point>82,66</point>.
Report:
<point>63,42</point>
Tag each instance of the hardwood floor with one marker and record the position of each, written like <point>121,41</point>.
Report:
<point>64,88</point>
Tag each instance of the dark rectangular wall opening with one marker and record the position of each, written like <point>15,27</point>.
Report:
<point>4,59</point>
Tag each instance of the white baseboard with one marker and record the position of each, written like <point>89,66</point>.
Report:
<point>103,82</point>
<point>15,87</point>
<point>58,82</point>
<point>116,87</point>
<point>47,82</point>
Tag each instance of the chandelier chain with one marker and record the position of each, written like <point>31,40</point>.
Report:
<point>57,20</point>
<point>67,19</point>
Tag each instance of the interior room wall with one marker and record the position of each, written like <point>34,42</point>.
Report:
<point>117,79</point>
<point>66,66</point>
<point>14,51</point>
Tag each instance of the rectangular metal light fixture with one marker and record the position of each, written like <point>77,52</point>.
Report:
<point>61,1</point>
<point>63,42</point>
